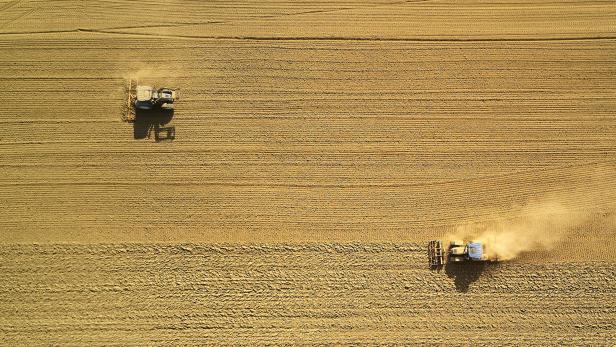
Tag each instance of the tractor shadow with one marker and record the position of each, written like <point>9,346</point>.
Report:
<point>153,121</point>
<point>466,273</point>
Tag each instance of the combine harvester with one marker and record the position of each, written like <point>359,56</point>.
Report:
<point>143,97</point>
<point>457,252</point>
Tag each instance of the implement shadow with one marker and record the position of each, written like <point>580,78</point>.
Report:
<point>465,273</point>
<point>147,121</point>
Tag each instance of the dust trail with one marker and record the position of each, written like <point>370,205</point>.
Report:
<point>142,71</point>
<point>537,226</point>
<point>542,224</point>
<point>154,73</point>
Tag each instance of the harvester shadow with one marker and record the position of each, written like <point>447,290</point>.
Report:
<point>148,121</point>
<point>464,274</point>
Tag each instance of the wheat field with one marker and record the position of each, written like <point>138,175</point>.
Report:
<point>318,147</point>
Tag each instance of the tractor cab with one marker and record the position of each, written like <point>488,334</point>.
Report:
<point>167,95</point>
<point>457,252</point>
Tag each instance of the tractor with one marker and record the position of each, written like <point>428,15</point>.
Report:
<point>149,98</point>
<point>145,97</point>
<point>457,252</point>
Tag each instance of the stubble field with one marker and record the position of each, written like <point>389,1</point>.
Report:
<point>318,147</point>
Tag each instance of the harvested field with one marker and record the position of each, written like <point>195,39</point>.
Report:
<point>294,294</point>
<point>322,143</point>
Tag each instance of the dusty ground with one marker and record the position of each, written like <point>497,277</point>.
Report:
<point>373,122</point>
<point>317,294</point>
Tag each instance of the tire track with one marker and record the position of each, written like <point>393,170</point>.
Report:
<point>292,294</point>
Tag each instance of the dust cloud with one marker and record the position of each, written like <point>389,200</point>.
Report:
<point>141,71</point>
<point>538,225</point>
<point>157,73</point>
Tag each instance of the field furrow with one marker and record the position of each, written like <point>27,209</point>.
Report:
<point>294,294</point>
<point>317,146</point>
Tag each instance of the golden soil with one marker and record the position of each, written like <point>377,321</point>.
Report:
<point>293,294</point>
<point>322,143</point>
